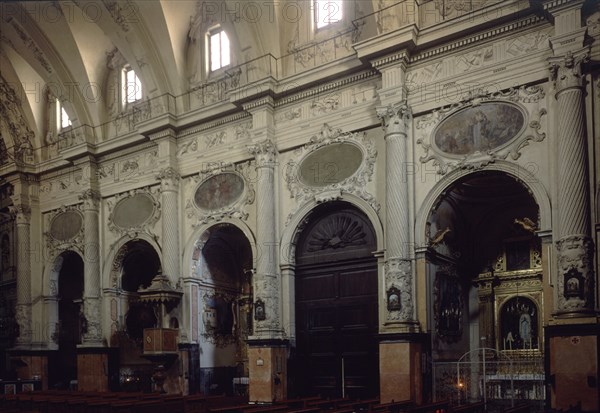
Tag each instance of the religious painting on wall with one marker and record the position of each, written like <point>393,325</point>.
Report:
<point>448,307</point>
<point>479,128</point>
<point>217,316</point>
<point>219,191</point>
<point>518,255</point>
<point>519,324</point>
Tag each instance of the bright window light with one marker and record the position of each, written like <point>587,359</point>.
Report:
<point>65,122</point>
<point>62,117</point>
<point>219,50</point>
<point>327,12</point>
<point>133,86</point>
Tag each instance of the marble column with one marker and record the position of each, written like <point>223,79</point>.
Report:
<point>22,214</point>
<point>169,188</point>
<point>92,335</point>
<point>266,280</point>
<point>575,246</point>
<point>398,265</point>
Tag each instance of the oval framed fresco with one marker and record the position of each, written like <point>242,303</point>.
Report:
<point>479,129</point>
<point>219,191</point>
<point>66,225</point>
<point>330,164</point>
<point>133,211</point>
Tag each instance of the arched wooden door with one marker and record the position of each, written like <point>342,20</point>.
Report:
<point>336,305</point>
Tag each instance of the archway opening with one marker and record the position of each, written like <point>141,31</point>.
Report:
<point>484,274</point>
<point>140,264</point>
<point>71,323</point>
<point>222,262</point>
<point>336,305</point>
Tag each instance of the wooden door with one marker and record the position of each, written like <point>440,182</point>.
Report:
<point>336,308</point>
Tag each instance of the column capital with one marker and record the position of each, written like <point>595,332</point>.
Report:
<point>21,213</point>
<point>169,178</point>
<point>265,153</point>
<point>565,71</point>
<point>395,118</point>
<point>91,199</point>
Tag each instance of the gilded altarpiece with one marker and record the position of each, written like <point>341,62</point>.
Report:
<point>512,292</point>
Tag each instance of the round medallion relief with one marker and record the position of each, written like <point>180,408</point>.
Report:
<point>219,191</point>
<point>480,128</point>
<point>133,211</point>
<point>66,225</point>
<point>330,164</point>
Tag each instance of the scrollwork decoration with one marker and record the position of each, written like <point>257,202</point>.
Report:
<point>525,99</point>
<point>354,184</point>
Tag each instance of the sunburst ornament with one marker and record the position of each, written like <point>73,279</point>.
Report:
<point>337,232</point>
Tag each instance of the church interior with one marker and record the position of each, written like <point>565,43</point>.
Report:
<point>391,201</point>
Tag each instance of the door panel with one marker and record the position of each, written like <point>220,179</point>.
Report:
<point>337,325</point>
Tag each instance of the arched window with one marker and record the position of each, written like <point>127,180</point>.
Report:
<point>219,53</point>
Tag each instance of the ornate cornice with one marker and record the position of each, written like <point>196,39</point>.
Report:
<point>469,41</point>
<point>209,125</point>
<point>327,87</point>
<point>263,101</point>
<point>399,57</point>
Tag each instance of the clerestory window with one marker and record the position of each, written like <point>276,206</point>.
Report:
<point>219,50</point>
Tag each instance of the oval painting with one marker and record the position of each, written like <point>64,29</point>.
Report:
<point>330,164</point>
<point>66,225</point>
<point>219,191</point>
<point>479,129</point>
<point>133,212</point>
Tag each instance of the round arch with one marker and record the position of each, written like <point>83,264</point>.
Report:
<point>114,260</point>
<point>294,227</point>
<point>190,244</point>
<point>521,175</point>
<point>52,270</point>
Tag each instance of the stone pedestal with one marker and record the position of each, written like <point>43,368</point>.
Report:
<point>400,372</point>
<point>97,369</point>
<point>572,366</point>
<point>31,365</point>
<point>268,370</point>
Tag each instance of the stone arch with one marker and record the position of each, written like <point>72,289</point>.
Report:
<point>296,223</point>
<point>114,261</point>
<point>520,174</point>
<point>52,270</point>
<point>190,244</point>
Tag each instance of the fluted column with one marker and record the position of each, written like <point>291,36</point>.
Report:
<point>575,246</point>
<point>169,188</point>
<point>92,335</point>
<point>22,214</point>
<point>398,264</point>
<point>266,280</point>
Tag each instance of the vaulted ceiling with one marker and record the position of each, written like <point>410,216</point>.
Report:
<point>66,47</point>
